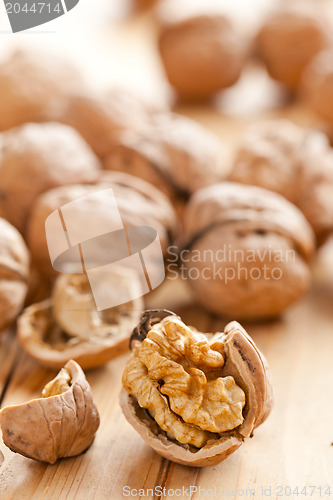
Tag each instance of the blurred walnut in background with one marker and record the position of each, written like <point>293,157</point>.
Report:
<point>36,157</point>
<point>14,273</point>
<point>33,83</point>
<point>201,55</point>
<point>248,251</point>
<point>293,161</point>
<point>289,39</point>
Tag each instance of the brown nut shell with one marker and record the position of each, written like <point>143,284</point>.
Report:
<point>61,424</point>
<point>248,367</point>
<point>14,273</point>
<point>70,327</point>
<point>229,231</point>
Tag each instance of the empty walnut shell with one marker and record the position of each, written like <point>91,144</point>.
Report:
<point>38,157</point>
<point>68,326</point>
<point>61,424</point>
<point>174,153</point>
<point>14,273</point>
<point>47,78</point>
<point>247,251</point>
<point>318,84</point>
<point>293,161</point>
<point>201,55</point>
<point>182,388</point>
<point>288,40</point>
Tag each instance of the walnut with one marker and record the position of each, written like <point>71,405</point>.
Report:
<point>246,252</point>
<point>47,81</point>
<point>61,424</point>
<point>288,40</point>
<point>201,54</point>
<point>318,84</point>
<point>138,202</point>
<point>174,153</point>
<point>293,161</point>
<point>69,326</point>
<point>35,158</point>
<point>191,398</point>
<point>14,273</point>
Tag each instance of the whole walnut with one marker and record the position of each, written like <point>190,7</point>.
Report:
<point>246,251</point>
<point>288,40</point>
<point>14,273</point>
<point>173,152</point>
<point>32,83</point>
<point>318,84</point>
<point>201,55</point>
<point>138,202</point>
<point>62,423</point>
<point>293,161</point>
<point>36,157</point>
<point>194,398</point>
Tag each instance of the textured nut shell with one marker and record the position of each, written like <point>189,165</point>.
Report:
<point>287,42</point>
<point>293,161</point>
<point>174,153</point>
<point>318,84</point>
<point>251,373</point>
<point>14,273</point>
<point>138,202</point>
<point>58,426</point>
<point>37,157</point>
<point>47,81</point>
<point>201,55</point>
<point>247,217</point>
<point>37,321</point>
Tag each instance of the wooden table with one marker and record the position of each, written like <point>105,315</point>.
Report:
<point>292,449</point>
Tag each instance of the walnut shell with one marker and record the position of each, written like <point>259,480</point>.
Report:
<point>293,161</point>
<point>61,424</point>
<point>47,78</point>
<point>227,357</point>
<point>246,251</point>
<point>14,273</point>
<point>174,153</point>
<point>68,326</point>
<point>318,84</point>
<point>288,40</point>
<point>201,55</point>
<point>37,157</point>
<point>139,203</point>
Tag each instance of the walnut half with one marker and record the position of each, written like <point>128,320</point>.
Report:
<point>193,399</point>
<point>62,423</point>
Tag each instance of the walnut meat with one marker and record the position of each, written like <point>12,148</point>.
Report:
<point>61,424</point>
<point>47,81</point>
<point>69,326</point>
<point>174,153</point>
<point>288,40</point>
<point>14,273</point>
<point>201,54</point>
<point>318,84</point>
<point>138,202</point>
<point>37,157</point>
<point>192,399</point>
<point>293,161</point>
<point>246,251</point>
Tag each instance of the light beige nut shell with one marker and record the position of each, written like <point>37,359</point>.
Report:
<point>37,320</point>
<point>45,429</point>
<point>139,203</point>
<point>242,218</point>
<point>201,55</point>
<point>14,273</point>
<point>47,77</point>
<point>37,157</point>
<point>250,370</point>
